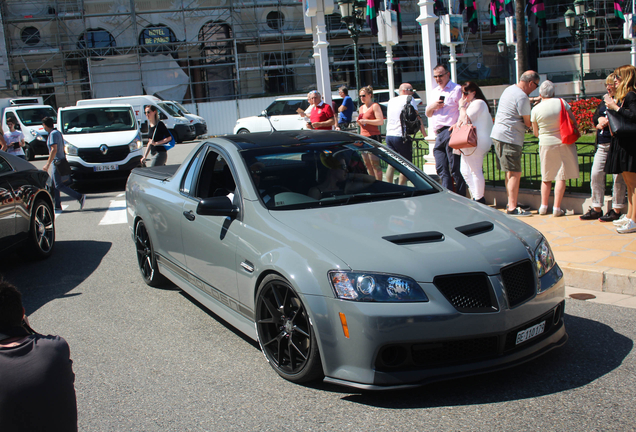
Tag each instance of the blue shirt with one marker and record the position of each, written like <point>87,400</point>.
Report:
<point>55,137</point>
<point>345,117</point>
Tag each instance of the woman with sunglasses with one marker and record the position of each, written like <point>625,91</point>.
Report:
<point>622,153</point>
<point>474,108</point>
<point>370,119</point>
<point>14,140</point>
<point>159,135</point>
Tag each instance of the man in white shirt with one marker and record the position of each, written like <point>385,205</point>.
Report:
<point>511,121</point>
<point>396,139</point>
<point>443,113</point>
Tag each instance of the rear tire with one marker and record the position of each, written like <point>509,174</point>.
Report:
<point>146,257</point>
<point>242,131</point>
<point>41,231</point>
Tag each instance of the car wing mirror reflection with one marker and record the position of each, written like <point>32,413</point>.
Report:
<point>217,206</point>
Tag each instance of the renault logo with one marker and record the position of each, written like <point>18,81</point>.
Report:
<point>103,148</point>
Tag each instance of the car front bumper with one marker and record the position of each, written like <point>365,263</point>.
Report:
<point>80,172</point>
<point>186,132</point>
<point>408,344</point>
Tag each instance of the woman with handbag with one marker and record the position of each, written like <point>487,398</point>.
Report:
<point>598,174</point>
<point>474,108</point>
<point>622,153</point>
<point>59,166</point>
<point>159,135</point>
<point>370,118</point>
<point>559,161</point>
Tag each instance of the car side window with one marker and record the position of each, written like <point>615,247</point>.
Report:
<point>188,180</point>
<point>215,178</point>
<point>291,107</point>
<point>276,108</point>
<point>5,167</point>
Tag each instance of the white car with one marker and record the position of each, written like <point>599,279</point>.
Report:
<point>382,97</point>
<point>282,114</point>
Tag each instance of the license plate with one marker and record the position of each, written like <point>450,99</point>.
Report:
<point>106,168</point>
<point>531,332</point>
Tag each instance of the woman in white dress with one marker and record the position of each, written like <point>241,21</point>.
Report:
<point>473,107</point>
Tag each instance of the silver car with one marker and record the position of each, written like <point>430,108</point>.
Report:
<point>338,275</point>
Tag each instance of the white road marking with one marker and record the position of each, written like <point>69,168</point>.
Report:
<point>116,213</point>
<point>64,207</point>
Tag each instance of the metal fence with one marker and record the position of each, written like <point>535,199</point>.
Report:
<point>531,167</point>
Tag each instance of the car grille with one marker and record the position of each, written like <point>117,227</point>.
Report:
<point>94,155</point>
<point>462,351</point>
<point>468,293</point>
<point>518,280</point>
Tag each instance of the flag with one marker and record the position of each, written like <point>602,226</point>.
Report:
<point>494,15</point>
<point>394,5</point>
<point>618,13</point>
<point>471,15</point>
<point>372,13</point>
<point>537,8</point>
<point>508,7</point>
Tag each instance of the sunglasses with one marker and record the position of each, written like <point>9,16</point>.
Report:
<point>465,93</point>
<point>147,112</point>
<point>363,95</point>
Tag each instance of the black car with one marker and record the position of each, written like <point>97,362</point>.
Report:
<point>26,207</point>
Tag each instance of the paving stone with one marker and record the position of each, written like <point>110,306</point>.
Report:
<point>619,262</point>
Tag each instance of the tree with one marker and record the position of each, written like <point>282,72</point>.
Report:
<point>522,46</point>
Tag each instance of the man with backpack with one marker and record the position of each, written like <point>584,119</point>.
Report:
<point>402,122</point>
<point>443,113</point>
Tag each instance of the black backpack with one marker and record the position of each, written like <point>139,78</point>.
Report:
<point>409,118</point>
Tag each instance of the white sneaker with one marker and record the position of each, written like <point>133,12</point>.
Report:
<point>558,212</point>
<point>543,210</point>
<point>629,227</point>
<point>621,221</point>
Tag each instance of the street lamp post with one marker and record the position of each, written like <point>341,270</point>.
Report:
<point>584,29</point>
<point>352,13</point>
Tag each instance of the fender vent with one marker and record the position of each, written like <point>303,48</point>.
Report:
<point>475,228</point>
<point>415,238</point>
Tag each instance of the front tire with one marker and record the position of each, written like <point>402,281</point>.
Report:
<point>242,131</point>
<point>42,231</point>
<point>146,257</point>
<point>29,153</point>
<point>285,332</point>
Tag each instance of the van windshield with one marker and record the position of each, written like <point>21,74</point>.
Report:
<point>181,107</point>
<point>34,116</point>
<point>167,108</point>
<point>97,119</point>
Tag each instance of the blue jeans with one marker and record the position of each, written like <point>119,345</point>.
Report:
<point>448,165</point>
<point>59,186</point>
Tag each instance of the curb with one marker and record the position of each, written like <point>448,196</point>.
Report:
<point>601,279</point>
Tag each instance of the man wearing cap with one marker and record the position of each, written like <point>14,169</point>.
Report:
<point>443,113</point>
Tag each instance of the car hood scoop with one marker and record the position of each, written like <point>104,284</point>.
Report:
<point>420,237</point>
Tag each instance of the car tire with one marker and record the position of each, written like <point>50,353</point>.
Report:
<point>176,136</point>
<point>41,231</point>
<point>146,258</point>
<point>242,131</point>
<point>29,153</point>
<point>285,333</point>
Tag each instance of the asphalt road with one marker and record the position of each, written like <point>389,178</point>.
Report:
<point>151,359</point>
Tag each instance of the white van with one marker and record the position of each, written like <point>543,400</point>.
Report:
<point>179,126</point>
<point>27,114</point>
<point>101,141</point>
<point>199,123</point>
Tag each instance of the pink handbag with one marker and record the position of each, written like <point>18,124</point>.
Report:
<point>464,136</point>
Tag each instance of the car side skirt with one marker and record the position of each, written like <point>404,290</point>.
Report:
<point>235,313</point>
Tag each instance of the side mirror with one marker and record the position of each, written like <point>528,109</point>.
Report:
<point>264,113</point>
<point>217,206</point>
<point>162,116</point>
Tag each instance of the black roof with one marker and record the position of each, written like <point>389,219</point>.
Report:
<point>252,141</point>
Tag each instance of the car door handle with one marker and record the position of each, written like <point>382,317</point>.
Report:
<point>189,215</point>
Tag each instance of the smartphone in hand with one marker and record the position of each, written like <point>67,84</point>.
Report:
<point>441,98</point>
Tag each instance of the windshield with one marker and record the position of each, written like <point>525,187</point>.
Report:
<point>169,109</point>
<point>34,116</point>
<point>94,120</point>
<point>332,174</point>
<point>181,107</point>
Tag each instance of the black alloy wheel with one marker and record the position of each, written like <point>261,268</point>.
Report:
<point>146,257</point>
<point>285,333</point>
<point>42,230</point>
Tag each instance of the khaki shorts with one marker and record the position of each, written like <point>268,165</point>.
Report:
<point>558,162</point>
<point>508,156</point>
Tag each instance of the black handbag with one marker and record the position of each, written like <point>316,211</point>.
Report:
<point>620,126</point>
<point>63,167</point>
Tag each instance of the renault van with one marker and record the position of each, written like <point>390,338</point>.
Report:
<point>27,115</point>
<point>101,141</point>
<point>179,126</point>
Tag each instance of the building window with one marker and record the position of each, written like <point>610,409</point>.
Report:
<point>275,20</point>
<point>217,49</point>
<point>98,38</point>
<point>30,36</point>
<point>157,38</point>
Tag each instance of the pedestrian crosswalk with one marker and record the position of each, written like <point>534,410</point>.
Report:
<point>116,213</point>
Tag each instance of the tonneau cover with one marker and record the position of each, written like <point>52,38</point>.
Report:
<point>159,172</point>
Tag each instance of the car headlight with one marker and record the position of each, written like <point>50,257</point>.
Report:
<point>375,287</point>
<point>36,135</point>
<point>70,149</point>
<point>136,144</point>
<point>543,258</point>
